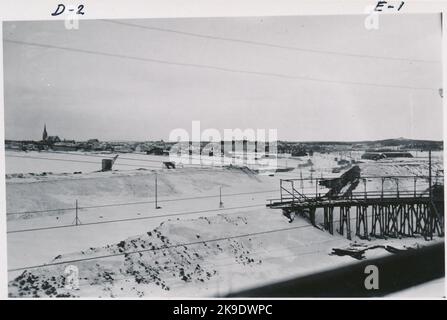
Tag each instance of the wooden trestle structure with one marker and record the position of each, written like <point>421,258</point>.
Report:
<point>377,214</point>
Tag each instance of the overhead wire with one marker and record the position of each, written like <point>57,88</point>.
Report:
<point>216,68</point>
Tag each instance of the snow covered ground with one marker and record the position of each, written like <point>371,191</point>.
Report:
<point>190,246</point>
<point>69,162</point>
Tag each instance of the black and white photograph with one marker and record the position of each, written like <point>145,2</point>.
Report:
<point>278,156</point>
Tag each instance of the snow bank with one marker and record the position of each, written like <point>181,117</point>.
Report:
<point>49,192</point>
<point>176,256</point>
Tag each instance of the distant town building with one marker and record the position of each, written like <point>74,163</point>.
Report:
<point>142,148</point>
<point>52,139</point>
<point>373,156</point>
<point>123,148</point>
<point>64,146</point>
<point>158,151</point>
<point>49,140</point>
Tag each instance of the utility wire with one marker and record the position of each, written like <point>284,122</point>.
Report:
<point>255,253</point>
<point>108,156</point>
<point>117,164</point>
<point>193,165</point>
<point>409,190</point>
<point>142,202</point>
<point>170,246</point>
<point>270,45</point>
<point>160,248</point>
<point>204,158</point>
<point>79,161</point>
<point>217,68</point>
<point>135,218</point>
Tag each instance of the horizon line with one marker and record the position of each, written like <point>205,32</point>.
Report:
<point>251,140</point>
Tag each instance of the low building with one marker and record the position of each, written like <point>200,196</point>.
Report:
<point>373,156</point>
<point>122,149</point>
<point>157,151</point>
<point>64,146</point>
<point>397,154</point>
<point>52,139</point>
<point>387,154</point>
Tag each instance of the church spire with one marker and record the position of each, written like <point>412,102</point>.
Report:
<point>44,134</point>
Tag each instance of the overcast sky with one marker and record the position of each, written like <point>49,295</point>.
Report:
<point>305,94</point>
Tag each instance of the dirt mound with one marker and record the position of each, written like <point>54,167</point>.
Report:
<point>170,254</point>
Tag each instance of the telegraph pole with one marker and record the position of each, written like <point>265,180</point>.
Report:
<point>302,183</point>
<point>220,198</point>
<point>77,221</point>
<point>156,192</point>
<point>77,218</point>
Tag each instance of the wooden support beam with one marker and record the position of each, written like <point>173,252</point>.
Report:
<point>362,222</point>
<point>331,219</point>
<point>377,221</point>
<point>406,228</point>
<point>345,219</point>
<point>312,215</point>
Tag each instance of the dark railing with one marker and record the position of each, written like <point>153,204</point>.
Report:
<point>290,194</point>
